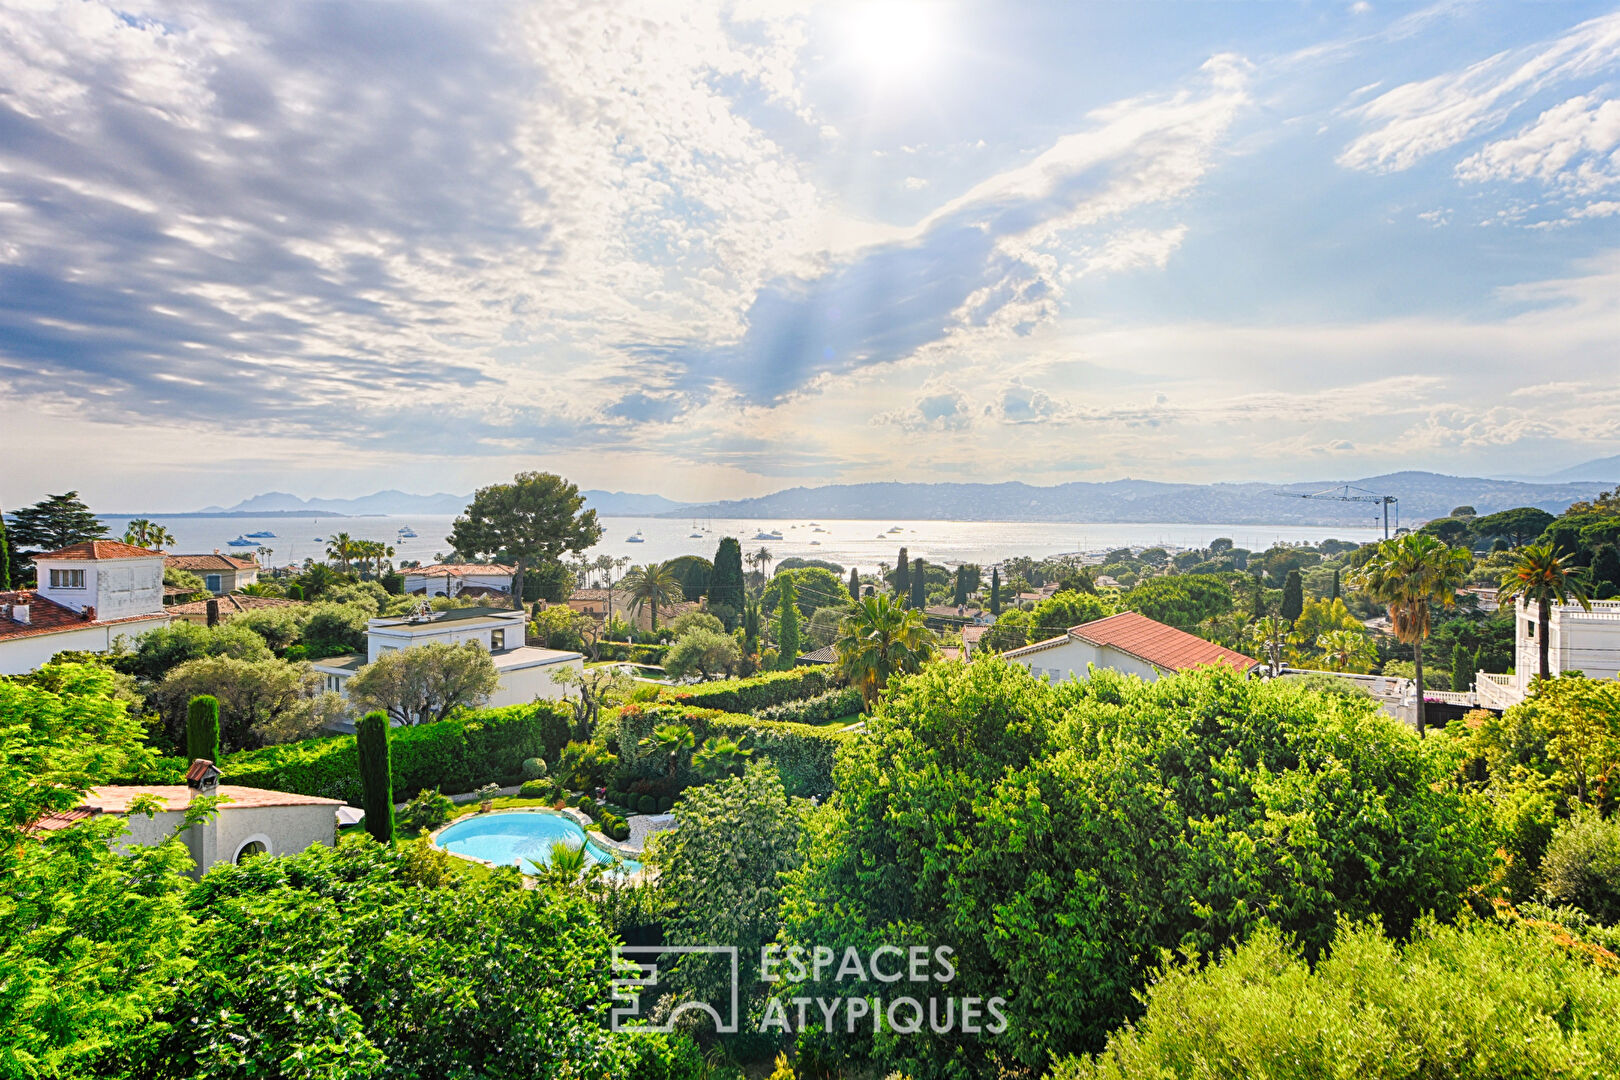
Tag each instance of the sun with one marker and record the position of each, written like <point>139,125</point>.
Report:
<point>894,40</point>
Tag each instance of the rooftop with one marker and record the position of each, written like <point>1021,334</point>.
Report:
<point>116,799</point>
<point>216,561</point>
<point>48,617</point>
<point>460,569</point>
<point>453,615</point>
<point>346,662</point>
<point>99,549</point>
<point>233,604</point>
<point>1158,644</point>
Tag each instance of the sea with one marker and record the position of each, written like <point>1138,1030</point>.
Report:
<point>848,542</point>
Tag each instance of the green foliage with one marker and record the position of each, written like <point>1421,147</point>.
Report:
<point>803,755</point>
<point>426,811</point>
<point>56,521</point>
<point>880,640</point>
<point>1476,1002</point>
<point>1182,600</point>
<point>787,625</point>
<point>702,651</point>
<point>695,620</point>
<point>1053,616</point>
<point>995,590</point>
<point>560,627</point>
<point>334,629</point>
<point>261,702</point>
<point>1293,598</point>
<point>426,683</point>
<point>652,587</point>
<point>726,584</point>
<point>820,709</point>
<point>1582,865</point>
<point>534,520</point>
<point>813,587</point>
<point>694,573</point>
<point>755,693</point>
<point>1517,526</point>
<point>157,652</point>
<point>1092,824</point>
<point>202,728</point>
<point>471,979</point>
<point>376,775</point>
<point>534,768</point>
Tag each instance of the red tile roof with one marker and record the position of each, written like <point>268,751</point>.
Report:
<point>216,561</point>
<point>99,549</point>
<point>1158,644</point>
<point>48,617</point>
<point>61,819</point>
<point>459,569</point>
<point>116,800</point>
<point>232,604</point>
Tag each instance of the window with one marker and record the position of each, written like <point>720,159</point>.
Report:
<point>250,849</point>
<point>497,640</point>
<point>212,581</point>
<point>1529,627</point>
<point>67,579</point>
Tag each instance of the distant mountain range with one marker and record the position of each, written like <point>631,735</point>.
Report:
<point>1601,469</point>
<point>1422,495</point>
<point>396,503</point>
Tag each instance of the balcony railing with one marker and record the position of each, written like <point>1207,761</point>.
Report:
<point>1497,691</point>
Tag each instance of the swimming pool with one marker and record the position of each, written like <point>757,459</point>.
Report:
<point>523,837</point>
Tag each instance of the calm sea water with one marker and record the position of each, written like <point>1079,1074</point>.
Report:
<point>847,542</point>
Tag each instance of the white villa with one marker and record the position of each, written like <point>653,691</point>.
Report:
<point>252,821</point>
<point>221,574</point>
<point>1128,642</point>
<point>1577,640</point>
<point>89,595</point>
<point>525,670</point>
<point>453,579</point>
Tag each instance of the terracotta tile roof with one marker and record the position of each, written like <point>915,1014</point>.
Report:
<point>61,819</point>
<point>48,617</point>
<point>99,549</point>
<point>116,799</point>
<point>595,594</point>
<point>972,634</point>
<point>459,569</point>
<point>216,561</point>
<point>1158,644</point>
<point>233,604</point>
<point>824,655</point>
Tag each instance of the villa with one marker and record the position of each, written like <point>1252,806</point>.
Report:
<point>1577,640</point>
<point>219,609</point>
<point>220,573</point>
<point>525,670</point>
<point>1128,642</point>
<point>251,821</point>
<point>457,579</point>
<point>89,596</point>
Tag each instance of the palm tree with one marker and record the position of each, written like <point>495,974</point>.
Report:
<point>654,584</point>
<point>1346,650</point>
<point>566,865</point>
<point>671,739</point>
<point>264,554</point>
<point>145,533</point>
<point>1543,577</point>
<point>719,756</point>
<point>1271,634</point>
<point>760,559</point>
<point>1411,575</point>
<point>342,548</point>
<point>880,639</point>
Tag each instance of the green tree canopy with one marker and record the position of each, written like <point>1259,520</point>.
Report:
<point>694,572</point>
<point>537,518</point>
<point>813,586</point>
<point>55,522</point>
<point>702,651</point>
<point>425,683</point>
<point>726,584</point>
<point>1184,600</point>
<point>880,640</point>
<point>1054,615</point>
<point>1518,526</point>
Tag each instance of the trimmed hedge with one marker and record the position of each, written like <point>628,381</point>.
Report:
<point>817,710</point>
<point>802,754</point>
<point>456,755</point>
<point>756,693</point>
<point>628,650</point>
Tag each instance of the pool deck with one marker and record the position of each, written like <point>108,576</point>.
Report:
<point>631,849</point>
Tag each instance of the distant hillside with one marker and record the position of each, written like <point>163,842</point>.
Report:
<point>395,503</point>
<point>1606,469</point>
<point>1422,495</point>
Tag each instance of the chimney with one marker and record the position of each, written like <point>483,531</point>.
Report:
<point>89,613</point>
<point>202,839</point>
<point>19,610</point>
<point>213,612</point>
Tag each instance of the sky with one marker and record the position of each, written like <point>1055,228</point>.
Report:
<point>712,250</point>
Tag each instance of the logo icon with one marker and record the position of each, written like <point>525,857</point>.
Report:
<point>628,1018</point>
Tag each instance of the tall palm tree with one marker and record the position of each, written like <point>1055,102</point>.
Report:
<point>264,554</point>
<point>1544,577</point>
<point>654,584</point>
<point>760,559</point>
<point>881,639</point>
<point>145,533</point>
<point>1411,575</point>
<point>342,548</point>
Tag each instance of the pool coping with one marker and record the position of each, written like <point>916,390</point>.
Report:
<point>578,816</point>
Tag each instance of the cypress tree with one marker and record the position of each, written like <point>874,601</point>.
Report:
<point>995,592</point>
<point>855,583</point>
<point>960,596</point>
<point>1477,663</point>
<point>5,555</point>
<point>202,728</point>
<point>787,627</point>
<point>376,775</point>
<point>902,575</point>
<point>1461,676</point>
<point>726,585</point>
<point>1259,609</point>
<point>751,628</point>
<point>1335,595</point>
<point>1293,600</point>
<point>919,586</point>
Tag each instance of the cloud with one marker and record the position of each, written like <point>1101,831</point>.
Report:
<point>1418,119</point>
<point>1571,143</point>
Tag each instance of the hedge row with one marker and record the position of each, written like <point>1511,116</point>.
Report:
<point>456,755</point>
<point>636,654</point>
<point>756,693</point>
<point>802,754</point>
<point>817,710</point>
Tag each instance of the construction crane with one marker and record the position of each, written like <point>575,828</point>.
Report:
<point>1342,493</point>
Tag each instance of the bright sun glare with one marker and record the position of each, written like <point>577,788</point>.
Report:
<point>894,39</point>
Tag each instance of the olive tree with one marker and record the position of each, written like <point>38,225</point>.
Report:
<point>426,683</point>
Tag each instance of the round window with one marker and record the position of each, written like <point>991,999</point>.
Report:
<point>250,849</point>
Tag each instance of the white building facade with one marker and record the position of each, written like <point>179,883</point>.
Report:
<point>453,579</point>
<point>89,595</point>
<point>1577,640</point>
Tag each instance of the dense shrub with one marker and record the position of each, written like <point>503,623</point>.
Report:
<point>1476,1002</point>
<point>1582,866</point>
<point>624,650</point>
<point>534,768</point>
<point>456,755</point>
<point>821,709</point>
<point>537,789</point>
<point>802,754</point>
<point>759,692</point>
<point>646,804</point>
<point>428,810</point>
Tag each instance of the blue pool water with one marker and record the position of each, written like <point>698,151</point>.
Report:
<point>521,837</point>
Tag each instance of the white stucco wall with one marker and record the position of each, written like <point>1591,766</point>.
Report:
<point>116,588</point>
<point>1578,640</point>
<point>21,655</point>
<point>1072,659</point>
<point>451,585</point>
<point>380,637</point>
<point>286,830</point>
<point>523,685</point>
